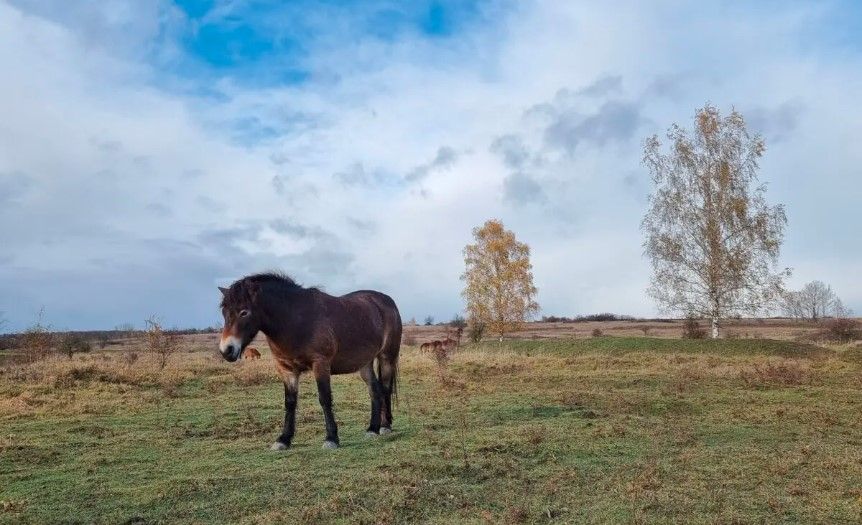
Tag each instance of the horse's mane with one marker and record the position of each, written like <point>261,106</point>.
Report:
<point>243,287</point>
<point>272,277</point>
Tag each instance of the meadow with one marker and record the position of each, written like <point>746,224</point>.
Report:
<point>608,429</point>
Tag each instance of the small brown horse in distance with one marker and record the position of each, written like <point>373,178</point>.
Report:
<point>430,346</point>
<point>309,330</point>
<point>251,353</point>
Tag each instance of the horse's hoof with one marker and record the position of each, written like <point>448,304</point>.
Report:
<point>330,445</point>
<point>385,430</point>
<point>278,446</point>
<point>370,434</point>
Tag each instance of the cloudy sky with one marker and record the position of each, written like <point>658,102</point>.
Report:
<point>150,151</point>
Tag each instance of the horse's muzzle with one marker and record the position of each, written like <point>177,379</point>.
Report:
<point>230,348</point>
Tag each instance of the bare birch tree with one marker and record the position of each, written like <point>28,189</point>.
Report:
<point>814,301</point>
<point>499,281</point>
<point>711,236</point>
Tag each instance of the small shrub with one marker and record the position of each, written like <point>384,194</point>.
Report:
<point>841,330</point>
<point>37,341</point>
<point>597,332</point>
<point>409,339</point>
<point>130,358</point>
<point>161,343</point>
<point>458,322</point>
<point>691,329</point>
<point>73,343</point>
<point>429,320</point>
<point>787,373</point>
<point>476,331</point>
<point>645,330</point>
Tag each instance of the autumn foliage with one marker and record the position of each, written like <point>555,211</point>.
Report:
<point>498,280</point>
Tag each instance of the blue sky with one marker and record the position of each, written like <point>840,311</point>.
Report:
<point>150,151</point>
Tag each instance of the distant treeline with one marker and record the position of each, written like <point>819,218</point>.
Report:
<point>606,316</point>
<point>102,338</point>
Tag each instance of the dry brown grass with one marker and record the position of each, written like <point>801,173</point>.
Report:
<point>101,380</point>
<point>601,430</point>
<point>783,372</point>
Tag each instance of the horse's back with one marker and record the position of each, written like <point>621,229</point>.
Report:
<point>379,301</point>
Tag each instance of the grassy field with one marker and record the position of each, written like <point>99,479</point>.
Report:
<point>590,430</point>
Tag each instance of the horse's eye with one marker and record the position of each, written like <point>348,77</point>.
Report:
<point>244,313</point>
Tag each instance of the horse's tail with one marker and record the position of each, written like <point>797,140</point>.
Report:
<point>392,355</point>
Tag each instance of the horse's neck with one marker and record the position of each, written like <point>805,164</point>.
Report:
<point>279,324</point>
<point>287,317</point>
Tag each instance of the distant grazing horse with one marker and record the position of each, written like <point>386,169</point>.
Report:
<point>431,346</point>
<point>308,329</point>
<point>251,353</point>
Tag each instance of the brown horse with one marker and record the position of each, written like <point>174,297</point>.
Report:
<point>251,353</point>
<point>308,329</point>
<point>431,346</point>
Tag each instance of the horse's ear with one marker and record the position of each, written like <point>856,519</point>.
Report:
<point>222,290</point>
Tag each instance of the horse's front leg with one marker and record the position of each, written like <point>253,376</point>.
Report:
<point>291,393</point>
<point>324,395</point>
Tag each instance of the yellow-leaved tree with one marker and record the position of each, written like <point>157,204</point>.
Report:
<point>498,280</point>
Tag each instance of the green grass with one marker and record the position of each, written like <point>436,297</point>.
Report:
<point>604,430</point>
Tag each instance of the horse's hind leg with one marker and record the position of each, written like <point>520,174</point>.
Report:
<point>388,369</point>
<point>375,391</point>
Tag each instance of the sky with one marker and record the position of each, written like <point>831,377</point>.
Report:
<point>152,151</point>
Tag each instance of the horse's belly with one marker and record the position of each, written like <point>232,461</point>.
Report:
<point>351,360</point>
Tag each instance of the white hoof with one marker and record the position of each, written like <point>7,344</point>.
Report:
<point>278,446</point>
<point>370,434</point>
<point>384,431</point>
<point>330,445</point>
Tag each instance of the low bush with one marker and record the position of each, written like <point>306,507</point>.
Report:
<point>458,322</point>
<point>786,373</point>
<point>475,331</point>
<point>691,329</point>
<point>841,330</point>
<point>73,343</point>
<point>160,342</point>
<point>37,341</point>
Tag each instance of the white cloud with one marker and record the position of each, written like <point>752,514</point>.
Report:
<point>129,186</point>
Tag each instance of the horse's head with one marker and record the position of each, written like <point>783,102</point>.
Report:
<point>241,321</point>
